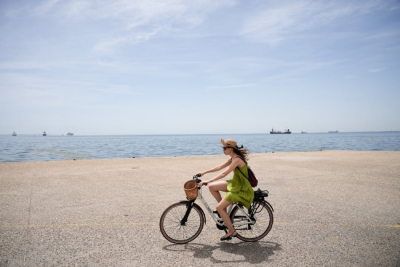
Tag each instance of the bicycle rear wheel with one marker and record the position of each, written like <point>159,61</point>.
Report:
<point>258,227</point>
<point>174,230</point>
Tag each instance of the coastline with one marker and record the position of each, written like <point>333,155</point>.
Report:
<point>195,156</point>
<point>27,149</point>
<point>345,204</point>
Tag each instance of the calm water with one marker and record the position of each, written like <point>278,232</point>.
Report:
<point>39,148</point>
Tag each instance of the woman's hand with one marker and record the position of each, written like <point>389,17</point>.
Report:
<point>203,183</point>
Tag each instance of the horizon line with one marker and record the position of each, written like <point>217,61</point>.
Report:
<point>197,133</point>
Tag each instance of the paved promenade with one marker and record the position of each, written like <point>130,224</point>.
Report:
<point>332,208</point>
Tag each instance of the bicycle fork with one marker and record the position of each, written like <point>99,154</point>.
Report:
<point>188,210</point>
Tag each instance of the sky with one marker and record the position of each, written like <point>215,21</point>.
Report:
<point>121,67</point>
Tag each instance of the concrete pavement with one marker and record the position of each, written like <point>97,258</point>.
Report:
<point>332,208</point>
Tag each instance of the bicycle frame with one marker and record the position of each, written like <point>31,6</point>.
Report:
<point>215,218</point>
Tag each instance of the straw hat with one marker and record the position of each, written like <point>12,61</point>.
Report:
<point>229,143</point>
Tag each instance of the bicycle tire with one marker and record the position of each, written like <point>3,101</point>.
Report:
<point>170,223</point>
<point>253,232</point>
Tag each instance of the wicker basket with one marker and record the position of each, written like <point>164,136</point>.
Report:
<point>191,189</point>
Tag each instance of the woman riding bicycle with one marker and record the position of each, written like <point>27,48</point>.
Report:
<point>238,188</point>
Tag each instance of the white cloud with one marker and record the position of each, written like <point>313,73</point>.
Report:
<point>376,70</point>
<point>46,7</point>
<point>138,20</point>
<point>394,8</point>
<point>232,86</point>
<point>275,24</point>
<point>33,91</point>
<point>111,43</point>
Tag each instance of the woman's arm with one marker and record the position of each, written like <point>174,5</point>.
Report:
<point>232,166</point>
<point>217,168</point>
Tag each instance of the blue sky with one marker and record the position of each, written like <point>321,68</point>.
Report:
<point>199,66</point>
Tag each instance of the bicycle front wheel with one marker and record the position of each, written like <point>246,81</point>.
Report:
<point>259,224</point>
<point>174,230</point>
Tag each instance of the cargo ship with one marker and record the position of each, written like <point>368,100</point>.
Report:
<point>279,132</point>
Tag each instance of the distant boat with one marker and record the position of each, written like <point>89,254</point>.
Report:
<point>279,132</point>
<point>304,132</point>
<point>70,134</point>
<point>44,133</point>
<point>14,134</point>
<point>333,131</point>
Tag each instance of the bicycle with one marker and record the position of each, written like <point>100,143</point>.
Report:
<point>182,222</point>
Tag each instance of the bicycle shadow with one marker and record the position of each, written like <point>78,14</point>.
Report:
<point>253,252</point>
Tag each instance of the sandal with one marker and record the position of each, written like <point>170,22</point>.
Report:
<point>229,237</point>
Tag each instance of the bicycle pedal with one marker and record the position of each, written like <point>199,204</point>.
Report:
<point>221,227</point>
<point>216,212</point>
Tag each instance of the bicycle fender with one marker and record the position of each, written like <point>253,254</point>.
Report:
<point>266,202</point>
<point>194,204</point>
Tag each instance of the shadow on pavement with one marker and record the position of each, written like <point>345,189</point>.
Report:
<point>253,252</point>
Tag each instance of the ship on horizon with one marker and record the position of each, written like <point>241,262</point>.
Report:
<point>333,132</point>
<point>14,134</point>
<point>70,134</point>
<point>44,133</point>
<point>279,132</point>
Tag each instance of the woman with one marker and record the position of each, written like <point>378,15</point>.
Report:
<point>238,188</point>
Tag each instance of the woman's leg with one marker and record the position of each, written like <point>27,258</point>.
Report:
<point>216,187</point>
<point>221,208</point>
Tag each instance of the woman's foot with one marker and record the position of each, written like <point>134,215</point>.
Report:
<point>228,236</point>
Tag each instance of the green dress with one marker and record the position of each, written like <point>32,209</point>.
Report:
<point>239,188</point>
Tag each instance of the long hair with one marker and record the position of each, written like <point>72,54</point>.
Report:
<point>242,152</point>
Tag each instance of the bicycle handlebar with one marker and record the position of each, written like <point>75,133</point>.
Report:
<point>195,177</point>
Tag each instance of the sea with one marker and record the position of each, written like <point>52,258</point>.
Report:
<point>22,148</point>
